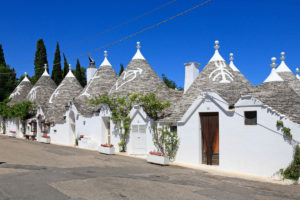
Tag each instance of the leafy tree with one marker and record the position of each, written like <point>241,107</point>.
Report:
<point>8,81</point>
<point>57,75</point>
<point>121,106</point>
<point>40,60</point>
<point>66,66</point>
<point>121,69</point>
<point>2,59</point>
<point>165,141</point>
<point>170,83</point>
<point>80,74</point>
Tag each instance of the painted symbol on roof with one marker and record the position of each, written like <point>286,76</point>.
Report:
<point>129,76</point>
<point>85,91</point>
<point>222,72</point>
<point>17,92</point>
<point>32,94</point>
<point>55,93</point>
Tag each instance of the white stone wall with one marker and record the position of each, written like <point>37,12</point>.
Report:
<point>259,150</point>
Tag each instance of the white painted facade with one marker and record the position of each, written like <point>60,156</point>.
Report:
<point>251,149</point>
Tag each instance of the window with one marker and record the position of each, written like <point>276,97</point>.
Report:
<point>250,117</point>
<point>138,129</point>
<point>173,129</point>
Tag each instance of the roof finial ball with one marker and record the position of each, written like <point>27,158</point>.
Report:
<point>231,56</point>
<point>138,45</point>
<point>297,70</point>
<point>217,45</point>
<point>25,73</point>
<point>282,56</point>
<point>45,66</point>
<point>70,68</point>
<point>105,53</point>
<point>273,65</point>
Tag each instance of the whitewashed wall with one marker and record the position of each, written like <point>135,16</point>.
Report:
<point>258,150</point>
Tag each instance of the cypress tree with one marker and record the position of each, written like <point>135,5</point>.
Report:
<point>40,60</point>
<point>66,66</point>
<point>8,80</point>
<point>57,75</point>
<point>80,74</point>
<point>2,59</point>
<point>121,69</point>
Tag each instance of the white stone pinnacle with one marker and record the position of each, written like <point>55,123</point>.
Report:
<point>273,75</point>
<point>231,64</point>
<point>105,61</point>
<point>45,72</point>
<point>217,56</point>
<point>138,54</point>
<point>297,73</point>
<point>70,74</point>
<point>283,67</point>
<point>25,78</point>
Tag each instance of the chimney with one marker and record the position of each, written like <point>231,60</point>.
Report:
<point>191,73</point>
<point>90,70</point>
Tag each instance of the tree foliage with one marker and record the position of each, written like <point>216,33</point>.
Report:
<point>121,69</point>
<point>40,60</point>
<point>2,59</point>
<point>293,170</point>
<point>8,80</point>
<point>170,83</point>
<point>80,74</point>
<point>66,66</point>
<point>121,106</point>
<point>57,74</point>
<point>165,141</point>
<point>22,111</point>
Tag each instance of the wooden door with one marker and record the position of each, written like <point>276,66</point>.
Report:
<point>210,138</point>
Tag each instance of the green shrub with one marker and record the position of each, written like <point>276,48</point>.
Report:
<point>293,170</point>
<point>279,123</point>
<point>287,132</point>
<point>165,141</point>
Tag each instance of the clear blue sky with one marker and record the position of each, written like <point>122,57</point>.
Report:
<point>253,30</point>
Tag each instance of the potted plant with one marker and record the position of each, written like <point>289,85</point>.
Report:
<point>167,142</point>
<point>158,158</point>
<point>108,149</point>
<point>45,139</point>
<point>12,134</point>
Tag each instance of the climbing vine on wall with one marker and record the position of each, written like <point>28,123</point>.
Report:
<point>286,131</point>
<point>121,106</point>
<point>293,170</point>
<point>22,111</point>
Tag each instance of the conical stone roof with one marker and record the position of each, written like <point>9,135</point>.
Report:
<point>139,76</point>
<point>42,90</point>
<point>218,76</point>
<point>64,93</point>
<point>279,96</point>
<point>21,91</point>
<point>104,78</point>
<point>287,75</point>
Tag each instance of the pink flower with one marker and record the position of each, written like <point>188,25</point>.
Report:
<point>107,145</point>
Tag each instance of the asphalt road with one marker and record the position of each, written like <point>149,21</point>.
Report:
<point>31,170</point>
